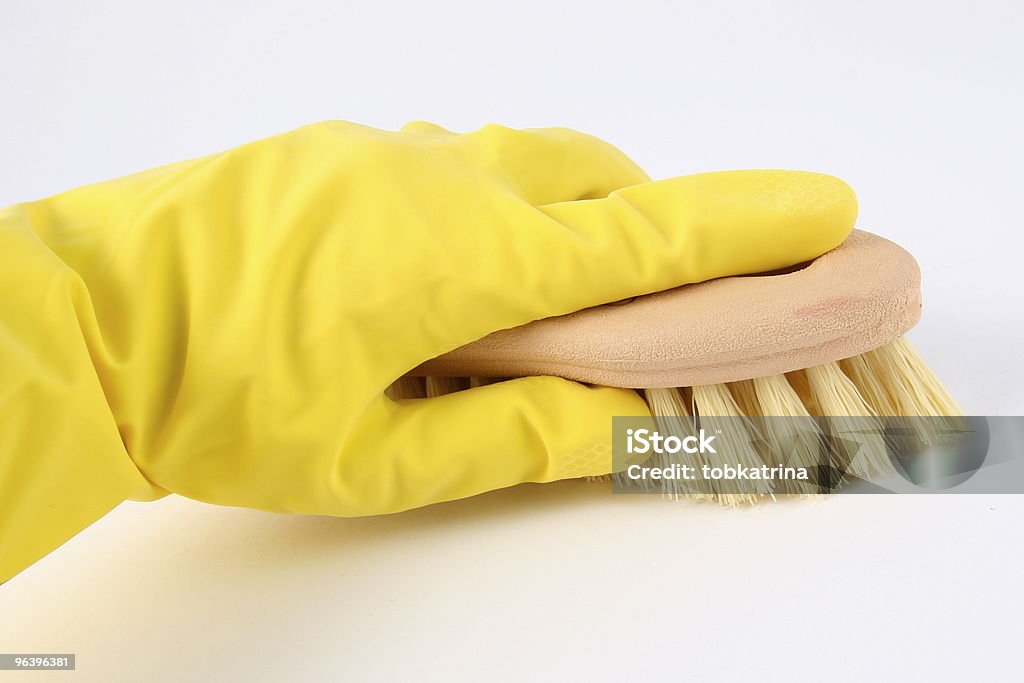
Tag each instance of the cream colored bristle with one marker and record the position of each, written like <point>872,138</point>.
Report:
<point>853,393</point>
<point>671,411</point>
<point>407,387</point>
<point>667,403</point>
<point>911,390</point>
<point>795,440</point>
<point>834,395</point>
<point>869,384</point>
<point>439,386</point>
<point>911,387</point>
<point>719,415</point>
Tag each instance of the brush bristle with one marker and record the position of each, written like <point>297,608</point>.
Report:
<point>835,396</point>
<point>672,412</point>
<point>911,386</point>
<point>903,386</point>
<point>856,394</point>
<point>717,413</point>
<point>795,441</point>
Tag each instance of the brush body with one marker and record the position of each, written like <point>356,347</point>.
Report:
<point>821,341</point>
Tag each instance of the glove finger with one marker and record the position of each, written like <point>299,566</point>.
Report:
<point>545,165</point>
<point>563,257</point>
<point>427,128</point>
<point>659,235</point>
<point>419,452</point>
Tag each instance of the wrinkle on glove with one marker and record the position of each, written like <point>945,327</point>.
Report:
<point>225,328</point>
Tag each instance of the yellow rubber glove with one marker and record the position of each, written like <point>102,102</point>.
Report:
<point>225,328</point>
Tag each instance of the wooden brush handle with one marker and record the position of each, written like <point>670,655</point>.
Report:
<point>857,297</point>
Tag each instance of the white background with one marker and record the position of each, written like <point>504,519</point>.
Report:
<point>917,105</point>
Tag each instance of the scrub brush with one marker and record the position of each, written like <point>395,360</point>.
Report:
<point>823,339</point>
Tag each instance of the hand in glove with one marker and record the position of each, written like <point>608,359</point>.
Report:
<point>225,328</point>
